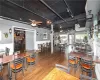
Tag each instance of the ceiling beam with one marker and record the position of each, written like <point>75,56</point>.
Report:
<point>67,7</point>
<point>78,17</point>
<point>52,10</point>
<point>23,7</point>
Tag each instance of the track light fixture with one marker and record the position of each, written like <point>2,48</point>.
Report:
<point>67,10</point>
<point>72,16</point>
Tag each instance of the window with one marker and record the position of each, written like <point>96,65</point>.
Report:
<point>80,37</point>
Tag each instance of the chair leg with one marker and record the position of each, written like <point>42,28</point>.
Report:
<point>68,68</point>
<point>1,75</point>
<point>82,71</point>
<point>75,66</point>
<point>25,64</point>
<point>22,72</point>
<point>90,74</point>
<point>15,76</point>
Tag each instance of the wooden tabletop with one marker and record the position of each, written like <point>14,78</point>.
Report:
<point>57,74</point>
<point>7,59</point>
<point>85,56</point>
<point>78,54</point>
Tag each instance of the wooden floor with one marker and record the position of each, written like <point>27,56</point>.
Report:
<point>45,62</point>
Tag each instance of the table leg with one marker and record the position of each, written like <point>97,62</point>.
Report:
<point>25,64</point>
<point>9,72</point>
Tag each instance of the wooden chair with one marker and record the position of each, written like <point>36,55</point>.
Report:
<point>61,67</point>
<point>7,50</point>
<point>17,65</point>
<point>47,47</point>
<point>39,47</point>
<point>1,67</point>
<point>73,62</point>
<point>31,59</point>
<point>44,47</point>
<point>83,77</point>
<point>86,66</point>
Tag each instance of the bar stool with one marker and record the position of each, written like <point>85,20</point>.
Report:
<point>1,67</point>
<point>17,65</point>
<point>86,66</point>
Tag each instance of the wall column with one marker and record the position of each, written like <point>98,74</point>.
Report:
<point>52,38</point>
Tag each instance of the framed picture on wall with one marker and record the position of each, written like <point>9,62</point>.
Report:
<point>45,36</point>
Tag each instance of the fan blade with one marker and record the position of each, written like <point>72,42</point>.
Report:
<point>30,19</point>
<point>37,22</point>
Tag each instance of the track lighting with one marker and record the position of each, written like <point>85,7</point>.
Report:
<point>67,10</point>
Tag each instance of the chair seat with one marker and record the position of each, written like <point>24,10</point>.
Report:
<point>29,59</point>
<point>86,66</point>
<point>73,61</point>
<point>18,66</point>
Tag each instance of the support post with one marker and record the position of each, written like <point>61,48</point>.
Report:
<point>52,38</point>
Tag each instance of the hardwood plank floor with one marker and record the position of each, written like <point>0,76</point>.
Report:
<point>45,62</point>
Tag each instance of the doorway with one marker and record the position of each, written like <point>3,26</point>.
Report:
<point>24,39</point>
<point>19,40</point>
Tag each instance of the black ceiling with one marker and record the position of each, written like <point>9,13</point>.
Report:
<point>35,9</point>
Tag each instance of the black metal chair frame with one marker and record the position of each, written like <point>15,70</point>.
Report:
<point>87,62</point>
<point>1,67</point>
<point>31,56</point>
<point>73,65</point>
<point>16,62</point>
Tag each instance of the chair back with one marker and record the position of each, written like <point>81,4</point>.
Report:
<point>32,55</point>
<point>17,52</point>
<point>61,67</point>
<point>39,46</point>
<point>18,60</point>
<point>71,57</point>
<point>86,62</point>
<point>1,62</point>
<point>75,59</point>
<point>7,51</point>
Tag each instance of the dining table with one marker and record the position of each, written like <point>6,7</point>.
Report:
<point>10,58</point>
<point>57,74</point>
<point>85,56</point>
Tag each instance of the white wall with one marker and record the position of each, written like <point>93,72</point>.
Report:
<point>93,5</point>
<point>40,34</point>
<point>5,25</point>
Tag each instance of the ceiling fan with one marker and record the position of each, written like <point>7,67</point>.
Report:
<point>35,23</point>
